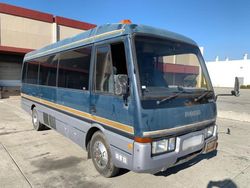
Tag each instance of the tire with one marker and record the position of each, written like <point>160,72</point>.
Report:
<point>35,121</point>
<point>102,162</point>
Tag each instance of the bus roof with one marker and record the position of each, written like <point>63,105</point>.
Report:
<point>103,32</point>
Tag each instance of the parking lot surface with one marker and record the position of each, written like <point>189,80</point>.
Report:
<point>47,159</point>
<point>235,108</point>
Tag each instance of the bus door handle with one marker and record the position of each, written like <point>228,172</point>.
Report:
<point>92,109</point>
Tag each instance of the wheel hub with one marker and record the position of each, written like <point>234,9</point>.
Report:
<point>100,154</point>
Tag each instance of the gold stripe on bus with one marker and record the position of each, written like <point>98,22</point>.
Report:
<point>104,121</point>
<point>76,42</point>
<point>114,124</point>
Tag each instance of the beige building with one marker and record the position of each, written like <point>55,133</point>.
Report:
<point>23,30</point>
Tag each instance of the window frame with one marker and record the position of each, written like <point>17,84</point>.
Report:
<point>94,72</point>
<point>57,72</point>
<point>134,54</point>
<point>108,43</point>
<point>90,64</point>
<point>26,76</point>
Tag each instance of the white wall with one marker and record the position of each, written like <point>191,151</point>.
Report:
<point>223,73</point>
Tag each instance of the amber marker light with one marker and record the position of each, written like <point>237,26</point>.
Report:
<point>125,22</point>
<point>143,140</point>
<point>130,146</point>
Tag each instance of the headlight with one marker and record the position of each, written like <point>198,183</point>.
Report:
<point>162,146</point>
<point>209,132</point>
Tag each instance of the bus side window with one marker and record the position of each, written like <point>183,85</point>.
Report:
<point>120,66</point>
<point>48,71</point>
<point>119,58</point>
<point>32,72</point>
<point>104,80</point>
<point>110,62</point>
<point>74,68</point>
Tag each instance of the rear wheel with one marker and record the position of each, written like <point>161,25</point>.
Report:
<point>101,156</point>
<point>35,121</point>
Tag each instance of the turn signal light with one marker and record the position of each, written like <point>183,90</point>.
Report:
<point>143,140</point>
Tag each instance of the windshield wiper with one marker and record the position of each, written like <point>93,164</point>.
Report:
<point>180,91</point>
<point>169,97</point>
<point>204,94</point>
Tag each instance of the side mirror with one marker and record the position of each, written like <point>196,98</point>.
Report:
<point>121,84</point>
<point>236,91</point>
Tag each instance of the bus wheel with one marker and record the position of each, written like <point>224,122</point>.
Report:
<point>35,121</point>
<point>101,156</point>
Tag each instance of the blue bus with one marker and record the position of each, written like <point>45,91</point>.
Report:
<point>133,96</point>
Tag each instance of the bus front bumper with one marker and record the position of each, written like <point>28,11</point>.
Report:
<point>144,162</point>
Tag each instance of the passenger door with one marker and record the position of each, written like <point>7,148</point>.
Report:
<point>107,108</point>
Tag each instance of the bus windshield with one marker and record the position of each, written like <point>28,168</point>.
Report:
<point>167,67</point>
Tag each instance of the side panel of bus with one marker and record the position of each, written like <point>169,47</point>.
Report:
<point>67,106</point>
<point>57,85</point>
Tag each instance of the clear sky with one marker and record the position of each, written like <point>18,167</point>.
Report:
<point>222,27</point>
